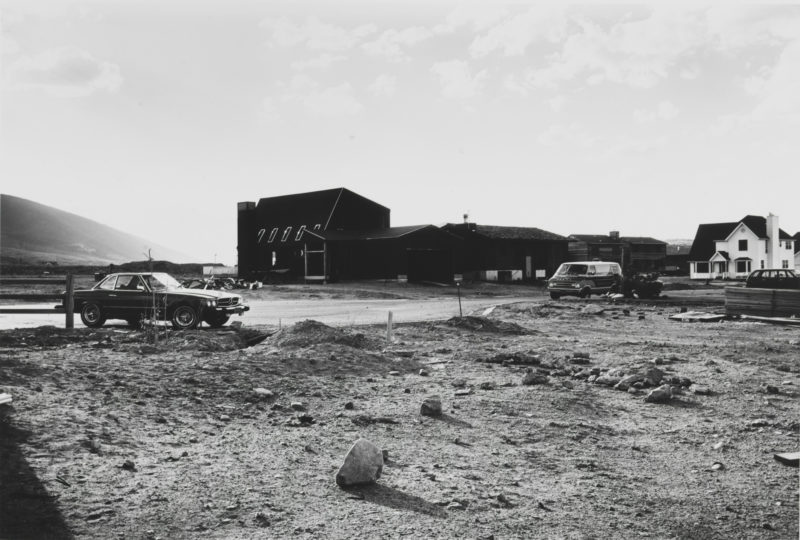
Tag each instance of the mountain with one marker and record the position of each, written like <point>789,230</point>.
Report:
<point>34,233</point>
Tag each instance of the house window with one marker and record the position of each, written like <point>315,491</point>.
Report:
<point>286,234</point>
<point>701,268</point>
<point>261,234</point>
<point>272,234</point>
<point>788,245</point>
<point>762,263</point>
<point>742,266</point>
<point>317,227</point>
<point>784,264</point>
<point>300,232</point>
<point>742,245</point>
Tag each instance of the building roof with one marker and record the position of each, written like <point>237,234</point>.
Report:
<point>375,234</point>
<point>704,245</point>
<point>500,232</point>
<point>606,239</point>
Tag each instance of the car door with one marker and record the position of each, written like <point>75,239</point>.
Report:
<point>129,297</point>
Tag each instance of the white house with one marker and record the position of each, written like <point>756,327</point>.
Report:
<point>732,250</point>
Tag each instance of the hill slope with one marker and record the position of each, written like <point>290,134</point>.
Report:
<point>31,232</point>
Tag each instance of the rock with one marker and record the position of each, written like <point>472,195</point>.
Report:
<point>263,394</point>
<point>592,309</point>
<point>297,406</point>
<point>609,378</point>
<point>363,464</point>
<point>455,505</point>
<point>459,383</point>
<point>488,385</point>
<point>463,392</point>
<point>394,373</point>
<point>349,406</point>
<point>534,377</point>
<point>633,390</point>
<point>717,466</point>
<point>770,389</point>
<point>423,373</point>
<point>129,465</point>
<point>432,406</point>
<point>662,394</point>
<point>701,390</point>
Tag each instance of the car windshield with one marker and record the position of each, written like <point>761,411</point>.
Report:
<point>160,281</point>
<point>571,269</point>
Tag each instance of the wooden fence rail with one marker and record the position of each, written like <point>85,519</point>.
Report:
<point>762,302</point>
<point>69,307</point>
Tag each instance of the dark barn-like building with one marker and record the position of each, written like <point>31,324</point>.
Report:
<point>336,234</point>
<point>634,253</point>
<point>495,253</point>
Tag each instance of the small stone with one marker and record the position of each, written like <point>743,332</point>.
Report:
<point>488,385</point>
<point>701,390</point>
<point>363,464</point>
<point>770,389</point>
<point>407,390</point>
<point>633,390</point>
<point>297,406</point>
<point>432,406</point>
<point>394,373</point>
<point>717,466</point>
<point>224,417</point>
<point>349,406</point>
<point>455,505</point>
<point>463,392</point>
<point>423,373</point>
<point>662,394</point>
<point>263,393</point>
<point>129,465</point>
<point>385,455</point>
<point>459,383</point>
<point>534,377</point>
<point>718,446</point>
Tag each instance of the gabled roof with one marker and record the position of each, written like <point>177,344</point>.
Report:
<point>605,239</point>
<point>500,232</point>
<point>375,234</point>
<point>313,207</point>
<point>704,245</point>
<point>595,238</point>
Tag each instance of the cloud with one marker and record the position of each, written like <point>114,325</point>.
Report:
<point>457,80</point>
<point>513,35</point>
<point>664,111</point>
<point>335,101</point>
<point>567,136</point>
<point>66,72</point>
<point>477,16</point>
<point>315,34</point>
<point>557,103</point>
<point>383,86</point>
<point>779,91</point>
<point>320,62</point>
<point>390,44</point>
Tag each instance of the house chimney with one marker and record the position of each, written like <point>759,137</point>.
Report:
<point>773,242</point>
<point>614,235</point>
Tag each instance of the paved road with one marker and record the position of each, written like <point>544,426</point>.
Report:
<point>335,312</point>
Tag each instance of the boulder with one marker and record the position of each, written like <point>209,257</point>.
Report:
<point>534,377</point>
<point>662,394</point>
<point>432,406</point>
<point>363,464</point>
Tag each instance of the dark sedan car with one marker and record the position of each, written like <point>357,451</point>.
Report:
<point>779,278</point>
<point>136,296</point>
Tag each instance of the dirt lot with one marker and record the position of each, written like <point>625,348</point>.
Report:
<point>111,436</point>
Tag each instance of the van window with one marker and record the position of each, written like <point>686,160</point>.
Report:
<point>572,270</point>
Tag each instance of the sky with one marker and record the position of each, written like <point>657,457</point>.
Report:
<point>157,117</point>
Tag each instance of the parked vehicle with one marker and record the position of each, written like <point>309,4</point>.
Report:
<point>133,296</point>
<point>773,278</point>
<point>584,278</point>
<point>641,285</point>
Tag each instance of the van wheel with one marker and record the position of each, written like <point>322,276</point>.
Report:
<point>555,295</point>
<point>586,292</point>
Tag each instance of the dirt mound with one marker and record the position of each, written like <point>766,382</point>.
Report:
<point>42,336</point>
<point>482,324</point>
<point>309,332</point>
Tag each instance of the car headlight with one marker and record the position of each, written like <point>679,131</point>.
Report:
<point>576,285</point>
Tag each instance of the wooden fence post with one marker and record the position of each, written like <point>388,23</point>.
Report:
<point>389,328</point>
<point>69,302</point>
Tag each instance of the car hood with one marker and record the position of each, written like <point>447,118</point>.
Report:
<point>202,293</point>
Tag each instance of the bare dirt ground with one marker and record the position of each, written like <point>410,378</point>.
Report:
<point>111,436</point>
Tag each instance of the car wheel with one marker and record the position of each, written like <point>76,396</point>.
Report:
<point>184,317</point>
<point>92,315</point>
<point>215,321</point>
<point>586,292</point>
<point>555,295</point>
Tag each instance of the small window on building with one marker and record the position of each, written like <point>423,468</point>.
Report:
<point>317,227</point>
<point>784,264</point>
<point>789,245</point>
<point>300,232</point>
<point>274,258</point>
<point>272,234</point>
<point>701,268</point>
<point>261,235</point>
<point>762,264</point>
<point>286,234</point>
<point>742,245</point>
